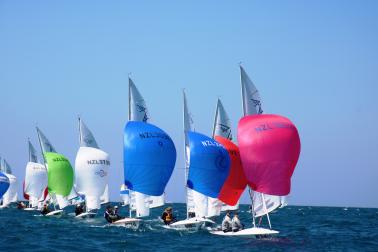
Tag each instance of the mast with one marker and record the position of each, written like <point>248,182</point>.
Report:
<point>243,92</point>
<point>80,137</point>
<point>185,155</point>
<point>129,98</point>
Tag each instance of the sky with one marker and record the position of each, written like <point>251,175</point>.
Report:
<point>314,62</point>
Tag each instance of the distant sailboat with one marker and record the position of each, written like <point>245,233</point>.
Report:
<point>91,171</point>
<point>236,182</point>
<point>35,183</point>
<point>206,168</point>
<point>60,175</point>
<point>149,158</point>
<point>4,184</point>
<point>11,194</point>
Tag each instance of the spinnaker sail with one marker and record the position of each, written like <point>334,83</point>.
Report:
<point>60,174</point>
<point>11,194</point>
<point>91,169</point>
<point>35,178</point>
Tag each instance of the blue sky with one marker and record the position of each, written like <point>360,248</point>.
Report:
<point>313,61</point>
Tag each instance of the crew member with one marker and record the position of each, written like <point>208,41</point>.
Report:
<point>109,215</point>
<point>227,223</point>
<point>236,224</point>
<point>79,209</point>
<point>45,209</point>
<point>167,216</point>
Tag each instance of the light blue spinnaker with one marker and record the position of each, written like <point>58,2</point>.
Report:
<point>209,165</point>
<point>149,158</point>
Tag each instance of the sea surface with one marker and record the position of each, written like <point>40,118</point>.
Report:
<point>302,228</point>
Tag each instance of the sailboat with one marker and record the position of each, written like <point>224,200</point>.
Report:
<point>35,183</point>
<point>236,181</point>
<point>4,184</point>
<point>60,175</point>
<point>207,166</point>
<point>91,171</point>
<point>11,194</point>
<point>269,150</point>
<point>149,158</point>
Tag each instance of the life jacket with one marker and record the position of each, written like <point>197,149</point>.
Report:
<point>168,218</point>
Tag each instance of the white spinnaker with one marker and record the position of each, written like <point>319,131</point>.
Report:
<point>252,106</point>
<point>105,196</point>
<point>91,175</point>
<point>11,195</point>
<point>35,182</point>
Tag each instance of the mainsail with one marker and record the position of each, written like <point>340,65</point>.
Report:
<point>91,169</point>
<point>149,159</point>
<point>35,178</point>
<point>59,171</point>
<point>11,194</point>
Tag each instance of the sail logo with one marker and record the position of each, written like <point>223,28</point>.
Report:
<point>103,162</point>
<point>153,135</point>
<point>60,159</point>
<point>225,130</point>
<point>88,140</point>
<point>101,173</point>
<point>208,143</point>
<point>257,104</point>
<point>271,126</point>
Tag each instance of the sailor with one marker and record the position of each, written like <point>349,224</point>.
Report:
<point>109,215</point>
<point>236,224</point>
<point>227,223</point>
<point>116,214</point>
<point>79,209</point>
<point>167,216</point>
<point>45,209</point>
<point>21,205</point>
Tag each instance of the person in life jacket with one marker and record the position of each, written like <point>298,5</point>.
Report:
<point>167,216</point>
<point>45,209</point>
<point>236,224</point>
<point>227,223</point>
<point>116,214</point>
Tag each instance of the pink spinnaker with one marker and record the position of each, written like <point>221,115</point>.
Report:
<point>269,149</point>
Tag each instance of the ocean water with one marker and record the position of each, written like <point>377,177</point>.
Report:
<point>301,228</point>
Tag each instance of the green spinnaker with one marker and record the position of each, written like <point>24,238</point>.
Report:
<point>60,174</point>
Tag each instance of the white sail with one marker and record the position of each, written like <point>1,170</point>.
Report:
<point>91,175</point>
<point>271,202</point>
<point>200,204</point>
<point>46,146</point>
<point>226,207</point>
<point>222,123</point>
<point>86,137</point>
<point>35,182</point>
<point>250,95</point>
<point>188,126</point>
<point>105,196</point>
<point>157,201</point>
<point>125,195</point>
<point>142,204</point>
<point>137,106</point>
<point>213,207</point>
<point>32,153</point>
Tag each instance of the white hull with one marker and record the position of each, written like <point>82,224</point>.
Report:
<point>55,213</point>
<point>249,232</point>
<point>190,224</point>
<point>30,209</point>
<point>127,222</point>
<point>86,215</point>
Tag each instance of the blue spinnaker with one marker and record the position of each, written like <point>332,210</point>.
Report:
<point>209,165</point>
<point>4,184</point>
<point>149,158</point>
